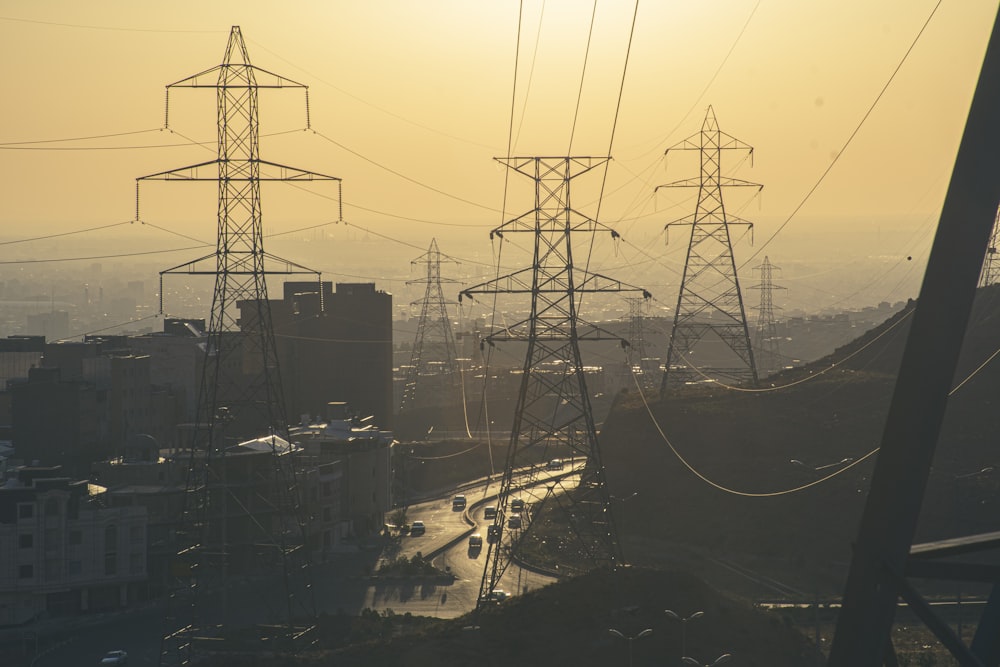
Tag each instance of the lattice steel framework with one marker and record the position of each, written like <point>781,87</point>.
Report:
<point>991,265</point>
<point>553,416</point>
<point>709,300</point>
<point>766,341</point>
<point>229,523</point>
<point>432,376</point>
<point>636,353</point>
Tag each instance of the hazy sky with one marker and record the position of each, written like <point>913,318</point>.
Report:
<point>403,93</point>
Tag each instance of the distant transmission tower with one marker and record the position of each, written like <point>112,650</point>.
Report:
<point>432,376</point>
<point>710,300</point>
<point>766,341</point>
<point>553,416</point>
<point>991,264</point>
<point>636,355</point>
<point>235,518</point>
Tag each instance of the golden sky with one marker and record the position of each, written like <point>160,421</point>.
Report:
<point>410,101</point>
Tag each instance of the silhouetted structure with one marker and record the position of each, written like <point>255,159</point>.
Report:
<point>334,346</point>
<point>553,416</point>
<point>709,300</point>
<point>432,378</point>
<point>766,341</point>
<point>884,556</point>
<point>240,394</point>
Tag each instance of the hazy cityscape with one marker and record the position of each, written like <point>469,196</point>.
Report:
<point>502,334</point>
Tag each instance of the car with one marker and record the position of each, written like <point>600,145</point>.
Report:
<point>517,505</point>
<point>514,521</point>
<point>555,464</point>
<point>115,658</point>
<point>458,502</point>
<point>475,541</point>
<point>496,595</point>
<point>493,534</point>
<point>418,528</point>
<point>490,512</point>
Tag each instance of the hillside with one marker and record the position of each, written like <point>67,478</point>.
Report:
<point>746,442</point>
<point>568,623</point>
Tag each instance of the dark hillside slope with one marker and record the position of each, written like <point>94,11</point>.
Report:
<point>745,441</point>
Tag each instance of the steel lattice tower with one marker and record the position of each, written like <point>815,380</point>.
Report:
<point>553,416</point>
<point>766,341</point>
<point>709,298</point>
<point>240,395</point>
<point>991,265</point>
<point>636,356</point>
<point>432,376</point>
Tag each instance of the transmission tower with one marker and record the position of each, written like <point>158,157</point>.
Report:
<point>553,416</point>
<point>991,265</point>
<point>431,378</point>
<point>766,341</point>
<point>709,300</point>
<point>636,356</point>
<point>232,523</point>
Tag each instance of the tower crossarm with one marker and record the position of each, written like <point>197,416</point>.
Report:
<point>555,282</point>
<point>724,181</point>
<point>196,172</point>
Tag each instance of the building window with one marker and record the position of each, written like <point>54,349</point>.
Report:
<point>51,507</point>
<point>327,514</point>
<point>110,564</point>
<point>74,567</point>
<point>135,563</point>
<point>76,537</point>
<point>25,571</point>
<point>25,511</point>
<point>26,540</point>
<point>135,534</point>
<point>327,489</point>
<point>111,538</point>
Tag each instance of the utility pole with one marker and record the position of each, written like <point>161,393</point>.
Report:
<point>766,341</point>
<point>553,416</point>
<point>234,520</point>
<point>432,376</point>
<point>709,300</point>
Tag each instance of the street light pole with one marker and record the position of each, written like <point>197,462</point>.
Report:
<point>622,522</point>
<point>725,657</point>
<point>630,639</point>
<point>683,620</point>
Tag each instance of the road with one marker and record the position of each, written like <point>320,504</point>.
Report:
<point>341,585</point>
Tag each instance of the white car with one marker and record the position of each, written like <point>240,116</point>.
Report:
<point>115,658</point>
<point>418,528</point>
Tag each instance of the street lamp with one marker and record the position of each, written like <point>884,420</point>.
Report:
<point>630,639</point>
<point>683,621</point>
<point>621,532</point>
<point>725,657</point>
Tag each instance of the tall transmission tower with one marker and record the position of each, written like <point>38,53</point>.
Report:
<point>234,521</point>
<point>553,416</point>
<point>432,376</point>
<point>991,265</point>
<point>766,340</point>
<point>709,300</point>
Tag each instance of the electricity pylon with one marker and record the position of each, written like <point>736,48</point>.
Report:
<point>709,300</point>
<point>553,416</point>
<point>432,376</point>
<point>766,341</point>
<point>991,264</point>
<point>230,524</point>
<point>636,352</point>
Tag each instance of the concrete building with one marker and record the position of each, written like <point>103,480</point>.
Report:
<point>364,455</point>
<point>62,551</point>
<point>333,345</point>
